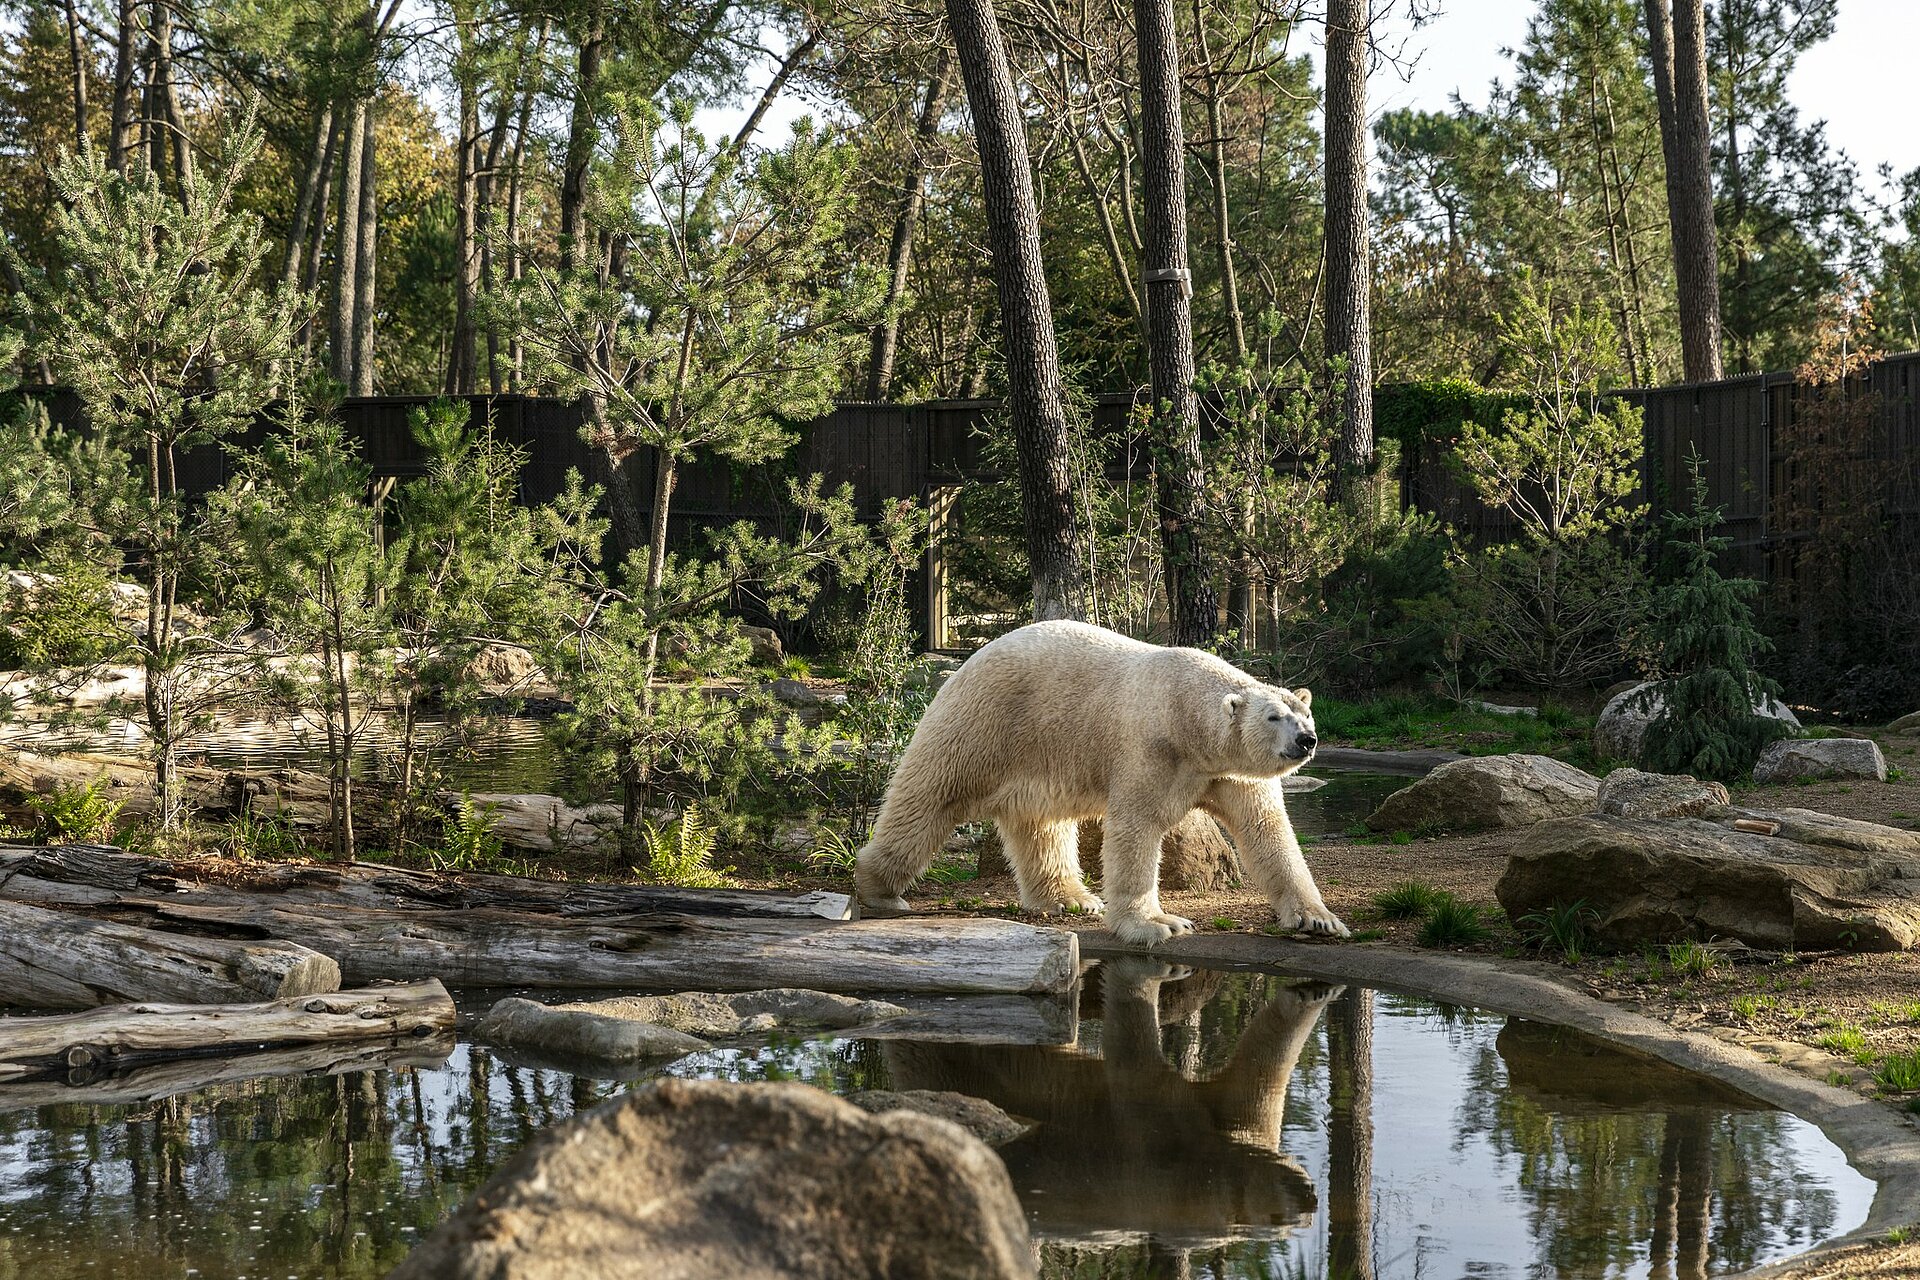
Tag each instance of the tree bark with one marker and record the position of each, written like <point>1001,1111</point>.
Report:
<point>77,53</point>
<point>1179,473</point>
<point>120,135</point>
<point>886,334</point>
<point>346,276</point>
<point>1349,331</point>
<point>366,262</point>
<point>1677,43</point>
<point>581,132</point>
<point>1035,397</point>
<point>309,188</point>
<point>462,371</point>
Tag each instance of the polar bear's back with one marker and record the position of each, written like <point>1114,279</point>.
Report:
<point>1062,702</point>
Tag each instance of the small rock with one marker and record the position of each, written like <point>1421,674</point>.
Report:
<point>1622,725</point>
<point>1500,709</point>
<point>1488,791</point>
<point>1629,793</point>
<point>693,1178</point>
<point>767,649</point>
<point>514,1023</point>
<point>1791,759</point>
<point>794,693</point>
<point>501,666</point>
<point>711,1015</point>
<point>976,1115</point>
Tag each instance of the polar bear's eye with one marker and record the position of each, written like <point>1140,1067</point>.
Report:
<point>1273,718</point>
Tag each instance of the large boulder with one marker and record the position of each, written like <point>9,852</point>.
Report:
<point>1909,723</point>
<point>1815,882</point>
<point>1195,857</point>
<point>1629,793</point>
<point>1790,760</point>
<point>690,1179</point>
<point>1488,791</point>
<point>1622,724</point>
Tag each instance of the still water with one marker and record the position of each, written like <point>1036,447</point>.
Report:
<point>1206,1123</point>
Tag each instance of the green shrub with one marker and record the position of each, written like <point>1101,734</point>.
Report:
<point>1452,923</point>
<point>75,814</point>
<point>467,841</point>
<point>1562,928</point>
<point>1409,900</point>
<point>265,837</point>
<point>679,853</point>
<point>65,620</point>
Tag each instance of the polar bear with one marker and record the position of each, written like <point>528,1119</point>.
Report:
<point>1061,721</point>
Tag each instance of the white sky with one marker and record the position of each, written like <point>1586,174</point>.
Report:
<point>1861,81</point>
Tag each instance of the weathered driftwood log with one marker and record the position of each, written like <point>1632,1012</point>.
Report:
<point>124,1035</point>
<point>502,949</point>
<point>89,1087</point>
<point>366,884</point>
<point>54,960</point>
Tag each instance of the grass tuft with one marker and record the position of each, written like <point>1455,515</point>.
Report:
<point>1408,900</point>
<point>1453,923</point>
<point>1562,927</point>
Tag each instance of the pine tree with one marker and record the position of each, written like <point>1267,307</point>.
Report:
<point>1708,642</point>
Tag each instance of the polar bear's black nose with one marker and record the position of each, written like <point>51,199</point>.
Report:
<point>1306,741</point>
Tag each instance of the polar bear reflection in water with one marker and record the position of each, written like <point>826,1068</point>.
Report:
<point>1060,722</point>
<point>1127,1145</point>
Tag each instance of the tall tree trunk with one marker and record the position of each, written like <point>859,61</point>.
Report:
<point>366,262</point>
<point>167,100</point>
<point>346,258</point>
<point>1349,281</point>
<point>1217,177</point>
<point>1350,1136</point>
<point>886,334</point>
<point>317,237</point>
<point>120,135</point>
<point>1677,43</point>
<point>1179,474</point>
<point>461,366</point>
<point>77,53</point>
<point>582,131</point>
<point>769,95</point>
<point>1035,395</point>
<point>310,180</point>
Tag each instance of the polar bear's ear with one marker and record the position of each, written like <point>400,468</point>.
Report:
<point>1233,702</point>
<point>1305,695</point>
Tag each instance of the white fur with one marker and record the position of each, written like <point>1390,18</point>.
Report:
<point>1059,722</point>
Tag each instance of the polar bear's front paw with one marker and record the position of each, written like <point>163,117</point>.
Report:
<point>894,906</point>
<point>1148,930</point>
<point>1315,921</point>
<point>1071,899</point>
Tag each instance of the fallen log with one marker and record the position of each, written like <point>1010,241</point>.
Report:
<point>55,960</point>
<point>168,1077</point>
<point>946,955</point>
<point>124,1035</point>
<point>88,869</point>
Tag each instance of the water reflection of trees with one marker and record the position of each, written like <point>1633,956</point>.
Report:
<point>1625,1162</point>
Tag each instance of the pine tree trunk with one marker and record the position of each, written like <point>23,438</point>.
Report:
<point>1179,473</point>
<point>76,52</point>
<point>317,238</point>
<point>1677,44</point>
<point>309,187</point>
<point>581,132</point>
<point>886,334</point>
<point>120,135</point>
<point>346,258</point>
<point>1349,282</point>
<point>366,263</point>
<point>1035,395</point>
<point>461,370</point>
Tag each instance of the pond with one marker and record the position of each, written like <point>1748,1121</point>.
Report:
<point>1227,1124</point>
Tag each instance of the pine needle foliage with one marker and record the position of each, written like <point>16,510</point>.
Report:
<point>1703,624</point>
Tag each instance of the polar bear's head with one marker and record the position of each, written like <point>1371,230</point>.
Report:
<point>1273,728</point>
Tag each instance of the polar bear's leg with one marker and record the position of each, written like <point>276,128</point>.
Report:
<point>1046,862</point>
<point>1255,812</point>
<point>906,839</point>
<point>1130,870</point>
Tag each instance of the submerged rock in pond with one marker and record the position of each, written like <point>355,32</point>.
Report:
<point>1488,791</point>
<point>697,1178</point>
<point>1790,760</point>
<point>1817,882</point>
<point>629,1029</point>
<point>1629,793</point>
<point>976,1115</point>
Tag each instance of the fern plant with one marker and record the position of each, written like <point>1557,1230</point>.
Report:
<point>75,814</point>
<point>680,853</point>
<point>467,841</point>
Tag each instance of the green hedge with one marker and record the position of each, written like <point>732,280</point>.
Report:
<point>1432,411</point>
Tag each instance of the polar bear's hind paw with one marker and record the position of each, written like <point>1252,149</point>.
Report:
<point>1147,931</point>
